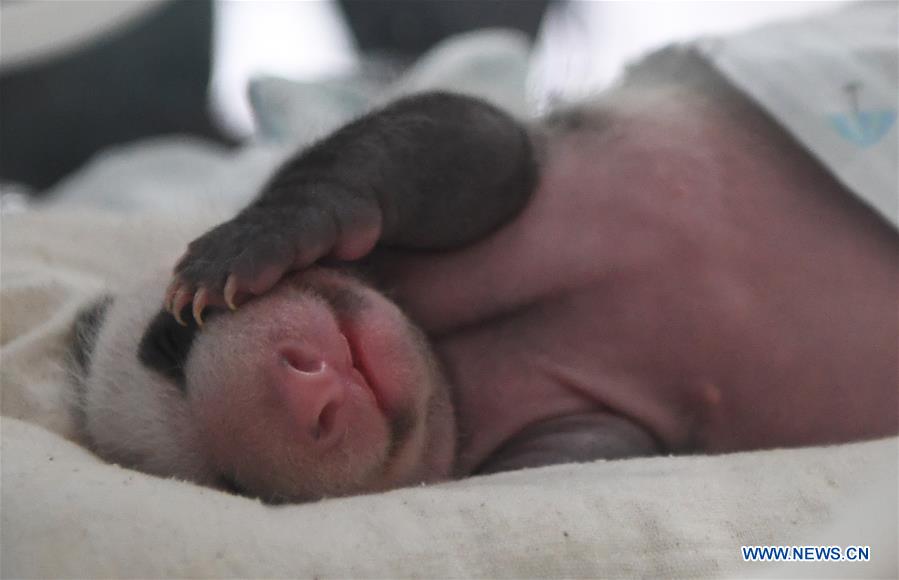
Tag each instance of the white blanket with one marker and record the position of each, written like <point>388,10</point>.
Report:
<point>65,513</point>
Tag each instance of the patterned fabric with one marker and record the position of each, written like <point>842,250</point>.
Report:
<point>832,81</point>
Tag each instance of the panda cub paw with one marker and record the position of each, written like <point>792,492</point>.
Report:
<point>247,255</point>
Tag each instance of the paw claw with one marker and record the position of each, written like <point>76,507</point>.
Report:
<point>201,299</point>
<point>231,291</point>
<point>182,298</point>
<point>169,295</point>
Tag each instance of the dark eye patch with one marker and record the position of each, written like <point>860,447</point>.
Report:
<point>165,346</point>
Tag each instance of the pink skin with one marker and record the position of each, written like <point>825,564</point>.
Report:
<point>686,266</point>
<point>294,384</point>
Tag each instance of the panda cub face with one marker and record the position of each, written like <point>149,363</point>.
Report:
<point>321,387</point>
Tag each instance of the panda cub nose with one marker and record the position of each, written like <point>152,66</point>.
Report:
<point>311,384</point>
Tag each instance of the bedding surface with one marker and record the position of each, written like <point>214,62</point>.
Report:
<point>68,514</point>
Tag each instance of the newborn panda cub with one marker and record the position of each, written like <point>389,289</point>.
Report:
<point>436,291</point>
<point>258,370</point>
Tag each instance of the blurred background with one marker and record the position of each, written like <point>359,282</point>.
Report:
<point>78,76</point>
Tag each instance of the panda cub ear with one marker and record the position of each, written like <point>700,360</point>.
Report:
<point>87,326</point>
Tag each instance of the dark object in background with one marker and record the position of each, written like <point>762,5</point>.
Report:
<point>406,28</point>
<point>149,78</point>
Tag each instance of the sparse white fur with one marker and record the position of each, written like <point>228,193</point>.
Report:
<point>135,415</point>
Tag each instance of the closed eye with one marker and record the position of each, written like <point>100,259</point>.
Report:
<point>165,346</point>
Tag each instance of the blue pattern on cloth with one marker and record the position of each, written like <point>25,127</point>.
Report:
<point>863,128</point>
